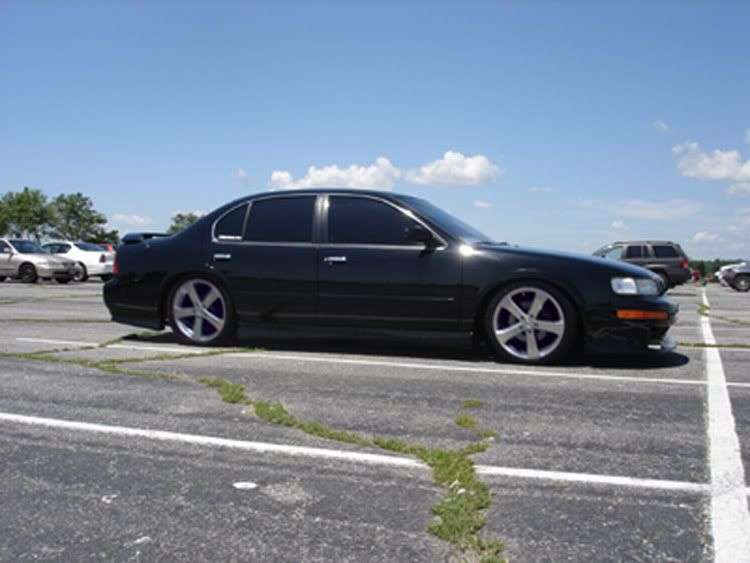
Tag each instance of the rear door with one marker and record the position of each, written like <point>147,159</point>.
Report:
<point>370,276</point>
<point>6,269</point>
<point>636,254</point>
<point>264,251</point>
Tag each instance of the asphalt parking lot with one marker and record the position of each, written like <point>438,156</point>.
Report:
<point>604,458</point>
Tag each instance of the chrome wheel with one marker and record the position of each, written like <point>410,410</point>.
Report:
<point>529,323</point>
<point>199,311</point>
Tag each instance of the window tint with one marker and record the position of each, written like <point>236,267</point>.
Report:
<point>356,220</point>
<point>3,246</point>
<point>283,219</point>
<point>614,253</point>
<point>230,226</point>
<point>634,252</point>
<point>83,246</point>
<point>664,251</point>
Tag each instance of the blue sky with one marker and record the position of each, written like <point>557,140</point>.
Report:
<point>567,124</point>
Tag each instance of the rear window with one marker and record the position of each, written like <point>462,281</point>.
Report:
<point>665,251</point>
<point>230,226</point>
<point>85,246</point>
<point>283,219</point>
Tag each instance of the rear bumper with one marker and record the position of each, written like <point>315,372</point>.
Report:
<point>100,269</point>
<point>605,332</point>
<point>680,276</point>
<point>124,310</point>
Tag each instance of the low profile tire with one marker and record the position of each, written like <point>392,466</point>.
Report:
<point>531,323</point>
<point>27,273</point>
<point>82,274</point>
<point>63,281</point>
<point>201,313</point>
<point>742,283</point>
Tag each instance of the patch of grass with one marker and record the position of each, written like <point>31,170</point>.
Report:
<point>466,421</point>
<point>472,404</point>
<point>704,310</point>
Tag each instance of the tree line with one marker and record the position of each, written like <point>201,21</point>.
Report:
<point>30,214</point>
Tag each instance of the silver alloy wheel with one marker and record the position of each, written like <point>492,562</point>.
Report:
<point>199,310</point>
<point>529,323</point>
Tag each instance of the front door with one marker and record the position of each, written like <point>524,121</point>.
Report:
<point>264,251</point>
<point>370,275</point>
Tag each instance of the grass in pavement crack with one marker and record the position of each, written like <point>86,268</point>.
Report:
<point>705,311</point>
<point>459,514</point>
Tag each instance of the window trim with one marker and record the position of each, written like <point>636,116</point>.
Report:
<point>249,204</point>
<point>405,210</point>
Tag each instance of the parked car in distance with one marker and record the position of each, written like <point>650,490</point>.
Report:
<point>355,259</point>
<point>666,259</point>
<point>27,261</point>
<point>92,259</point>
<point>724,271</point>
<point>738,276</point>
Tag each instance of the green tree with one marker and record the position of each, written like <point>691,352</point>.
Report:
<point>181,221</point>
<point>25,213</point>
<point>73,217</point>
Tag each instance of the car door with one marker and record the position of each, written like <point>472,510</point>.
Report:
<point>636,254</point>
<point>265,253</point>
<point>369,275</point>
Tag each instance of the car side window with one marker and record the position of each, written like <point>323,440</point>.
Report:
<point>614,253</point>
<point>230,226</point>
<point>359,220</point>
<point>664,251</point>
<point>4,247</point>
<point>634,252</point>
<point>281,219</point>
<point>63,248</point>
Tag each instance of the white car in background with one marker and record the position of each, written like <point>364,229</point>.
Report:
<point>92,259</point>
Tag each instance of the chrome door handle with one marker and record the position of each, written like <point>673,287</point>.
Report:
<point>335,259</point>
<point>225,257</point>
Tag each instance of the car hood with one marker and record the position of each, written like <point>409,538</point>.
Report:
<point>614,267</point>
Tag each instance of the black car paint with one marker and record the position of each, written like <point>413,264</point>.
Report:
<point>443,288</point>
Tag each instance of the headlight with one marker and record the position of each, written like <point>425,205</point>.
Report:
<point>634,286</point>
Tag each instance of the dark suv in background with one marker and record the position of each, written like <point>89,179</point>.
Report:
<point>665,258</point>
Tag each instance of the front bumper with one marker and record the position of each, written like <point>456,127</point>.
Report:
<point>605,332</point>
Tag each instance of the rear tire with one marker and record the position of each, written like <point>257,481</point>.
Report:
<point>63,281</point>
<point>3,278</point>
<point>106,277</point>
<point>531,323</point>
<point>82,274</point>
<point>742,283</point>
<point>201,313</point>
<point>27,273</point>
<point>665,280</point>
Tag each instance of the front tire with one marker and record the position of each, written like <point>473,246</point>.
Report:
<point>201,313</point>
<point>742,283</point>
<point>531,323</point>
<point>82,274</point>
<point>27,273</point>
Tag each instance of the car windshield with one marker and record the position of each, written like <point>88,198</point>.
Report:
<point>446,221</point>
<point>27,247</point>
<point>89,246</point>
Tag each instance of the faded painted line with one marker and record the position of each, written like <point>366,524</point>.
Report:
<point>350,456</point>
<point>408,365</point>
<point>730,518</point>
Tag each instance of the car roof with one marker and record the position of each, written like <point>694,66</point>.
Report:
<point>646,242</point>
<point>339,191</point>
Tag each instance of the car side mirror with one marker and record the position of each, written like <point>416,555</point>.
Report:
<point>418,234</point>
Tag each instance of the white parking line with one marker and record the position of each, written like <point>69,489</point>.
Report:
<point>730,518</point>
<point>351,456</point>
<point>404,365</point>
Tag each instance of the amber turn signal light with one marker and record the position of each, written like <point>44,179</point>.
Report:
<point>639,315</point>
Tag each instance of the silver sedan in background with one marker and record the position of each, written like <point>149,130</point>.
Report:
<point>27,261</point>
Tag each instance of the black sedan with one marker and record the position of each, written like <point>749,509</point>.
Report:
<point>374,260</point>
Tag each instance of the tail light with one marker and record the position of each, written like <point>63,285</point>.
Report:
<point>102,259</point>
<point>684,263</point>
<point>115,267</point>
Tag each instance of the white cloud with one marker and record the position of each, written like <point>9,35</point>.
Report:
<point>658,210</point>
<point>742,188</point>
<point>661,127</point>
<point>705,236</point>
<point>540,189</point>
<point>619,225</point>
<point>693,162</point>
<point>241,173</point>
<point>482,204</point>
<point>380,174</point>
<point>455,169</point>
<point>132,220</point>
